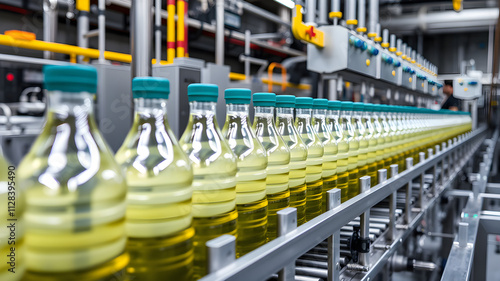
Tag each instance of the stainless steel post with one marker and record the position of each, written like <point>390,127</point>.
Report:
<point>335,8</point>
<point>221,251</point>
<point>82,26</point>
<point>311,11</point>
<point>287,221</point>
<point>443,164</point>
<point>140,37</point>
<point>49,24</point>
<point>364,258</point>
<point>421,157</point>
<point>450,160</point>
<point>247,53</point>
<point>392,45</point>
<point>333,201</point>
<point>361,16</point>
<point>385,37</point>
<point>372,26</point>
<point>158,31</point>
<point>409,165</point>
<point>351,12</point>
<point>102,29</point>
<point>434,176</point>
<point>392,206</point>
<point>219,33</point>
<point>323,12</point>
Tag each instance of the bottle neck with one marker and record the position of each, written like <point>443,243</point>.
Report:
<point>304,114</point>
<point>238,109</point>
<point>284,112</point>
<point>150,108</point>
<point>345,115</point>
<point>284,121</point>
<point>203,112</point>
<point>66,106</point>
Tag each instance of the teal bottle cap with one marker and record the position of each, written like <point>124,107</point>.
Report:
<point>285,101</point>
<point>150,88</point>
<point>347,105</point>
<point>384,108</point>
<point>70,78</point>
<point>358,106</point>
<point>320,104</point>
<point>264,99</point>
<point>368,107</point>
<point>203,92</point>
<point>303,102</point>
<point>237,96</point>
<point>334,105</point>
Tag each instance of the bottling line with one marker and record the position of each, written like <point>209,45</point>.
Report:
<point>249,140</point>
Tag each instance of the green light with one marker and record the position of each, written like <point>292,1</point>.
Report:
<point>466,215</point>
<point>475,216</point>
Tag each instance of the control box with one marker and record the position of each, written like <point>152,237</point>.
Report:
<point>408,76</point>
<point>343,50</point>
<point>389,67</point>
<point>421,84</point>
<point>467,88</point>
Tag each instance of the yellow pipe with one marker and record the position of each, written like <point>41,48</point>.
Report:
<point>180,28</point>
<point>70,50</point>
<point>83,5</point>
<point>171,31</point>
<point>288,84</point>
<point>237,76</point>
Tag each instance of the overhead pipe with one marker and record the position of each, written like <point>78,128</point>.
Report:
<point>181,28</point>
<point>377,30</point>
<point>361,17</point>
<point>373,20</point>
<point>311,11</point>
<point>83,7</point>
<point>158,31</point>
<point>170,31</point>
<point>140,37</point>
<point>351,20</point>
<point>403,51</point>
<point>335,14</point>
<point>264,14</point>
<point>219,33</point>
<point>392,45</point>
<point>49,24</point>
<point>440,22</point>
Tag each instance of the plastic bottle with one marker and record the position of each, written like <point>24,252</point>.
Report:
<point>370,136</point>
<point>298,154</point>
<point>379,136</point>
<point>159,177</point>
<point>12,246</point>
<point>314,162</point>
<point>335,126</point>
<point>278,159</point>
<point>251,201</point>
<point>388,137</point>
<point>360,132</point>
<point>74,190</point>
<point>214,170</point>
<point>320,126</point>
<point>352,140</point>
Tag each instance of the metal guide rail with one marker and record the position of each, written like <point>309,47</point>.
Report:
<point>279,255</point>
<point>466,247</point>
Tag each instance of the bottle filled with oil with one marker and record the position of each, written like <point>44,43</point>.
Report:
<point>12,246</point>
<point>353,140</point>
<point>370,136</point>
<point>315,151</point>
<point>329,174</point>
<point>75,192</point>
<point>389,147</point>
<point>159,177</point>
<point>285,105</point>
<point>360,132</point>
<point>334,124</point>
<point>278,159</point>
<point>251,201</point>
<point>214,169</point>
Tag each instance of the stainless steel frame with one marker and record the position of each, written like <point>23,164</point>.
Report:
<point>279,253</point>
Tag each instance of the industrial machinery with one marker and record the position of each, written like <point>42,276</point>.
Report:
<point>434,215</point>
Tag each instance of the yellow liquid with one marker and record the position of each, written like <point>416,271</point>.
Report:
<point>251,202</point>
<point>373,173</point>
<point>278,169</point>
<point>75,206</point>
<point>214,183</point>
<point>298,156</point>
<point>353,183</point>
<point>314,199</point>
<point>343,184</point>
<point>158,220</point>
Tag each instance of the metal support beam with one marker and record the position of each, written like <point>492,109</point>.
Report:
<point>409,165</point>
<point>333,201</point>
<point>219,33</point>
<point>140,37</point>
<point>364,258</point>
<point>287,222</point>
